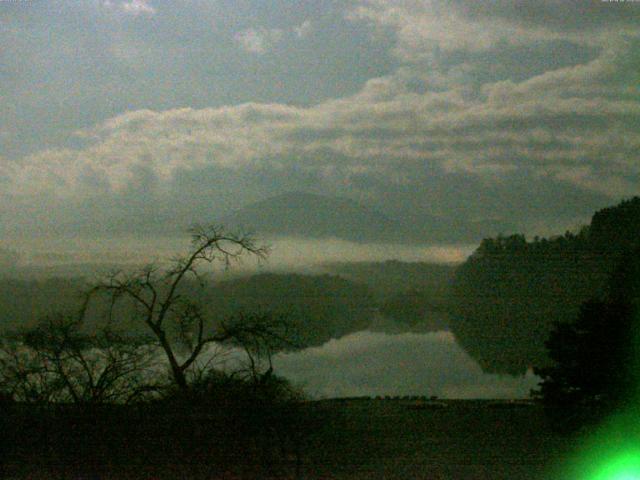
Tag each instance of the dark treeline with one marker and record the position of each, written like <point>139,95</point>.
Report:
<point>320,306</point>
<point>411,293</point>
<point>24,302</point>
<point>317,307</point>
<point>595,358</point>
<point>508,295</point>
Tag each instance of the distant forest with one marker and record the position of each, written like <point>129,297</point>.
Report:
<point>508,294</point>
<point>318,307</point>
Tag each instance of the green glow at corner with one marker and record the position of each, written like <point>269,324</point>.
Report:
<point>611,452</point>
<point>625,466</point>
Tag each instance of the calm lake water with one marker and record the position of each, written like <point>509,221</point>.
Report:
<point>375,363</point>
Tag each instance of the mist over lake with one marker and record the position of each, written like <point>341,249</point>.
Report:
<point>64,253</point>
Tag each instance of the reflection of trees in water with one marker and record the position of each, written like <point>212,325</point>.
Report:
<point>378,363</point>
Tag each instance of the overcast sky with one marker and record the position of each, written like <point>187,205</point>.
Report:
<point>126,114</point>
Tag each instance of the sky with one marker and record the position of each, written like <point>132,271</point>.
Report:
<point>136,115</point>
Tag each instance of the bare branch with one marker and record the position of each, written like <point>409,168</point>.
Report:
<point>173,317</point>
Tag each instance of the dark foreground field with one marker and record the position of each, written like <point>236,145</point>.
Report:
<point>445,440</point>
<point>349,439</point>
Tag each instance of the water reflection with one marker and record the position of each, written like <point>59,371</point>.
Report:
<point>374,363</point>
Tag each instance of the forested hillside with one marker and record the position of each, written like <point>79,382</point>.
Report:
<point>318,307</point>
<point>411,293</point>
<point>24,302</point>
<point>510,291</point>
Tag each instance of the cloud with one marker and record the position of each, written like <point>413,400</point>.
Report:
<point>487,104</point>
<point>137,7</point>
<point>469,25</point>
<point>575,126</point>
<point>259,40</point>
<point>131,7</point>
<point>304,29</point>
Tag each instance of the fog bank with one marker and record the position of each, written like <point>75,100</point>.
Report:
<point>285,253</point>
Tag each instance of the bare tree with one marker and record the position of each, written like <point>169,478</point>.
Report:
<point>174,316</point>
<point>58,362</point>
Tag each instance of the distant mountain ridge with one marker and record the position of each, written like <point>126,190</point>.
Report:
<point>319,216</point>
<point>315,216</point>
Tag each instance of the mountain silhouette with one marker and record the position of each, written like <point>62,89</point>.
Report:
<point>318,216</point>
<point>313,216</point>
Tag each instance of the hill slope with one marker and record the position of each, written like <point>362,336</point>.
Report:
<point>318,216</point>
<point>509,293</point>
<point>315,216</point>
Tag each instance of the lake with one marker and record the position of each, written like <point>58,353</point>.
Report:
<point>373,364</point>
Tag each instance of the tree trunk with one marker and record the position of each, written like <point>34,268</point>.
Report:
<point>178,373</point>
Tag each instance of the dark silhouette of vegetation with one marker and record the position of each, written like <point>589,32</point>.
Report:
<point>83,394</point>
<point>58,362</point>
<point>595,366</point>
<point>317,307</point>
<point>25,302</point>
<point>392,277</point>
<point>510,293</point>
<point>415,294</point>
<point>596,358</point>
<point>417,308</point>
<point>227,427</point>
<point>175,318</point>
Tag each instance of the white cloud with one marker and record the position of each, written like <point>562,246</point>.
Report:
<point>576,124</point>
<point>259,40</point>
<point>471,25</point>
<point>563,124</point>
<point>136,7</point>
<point>304,29</point>
<point>131,7</point>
